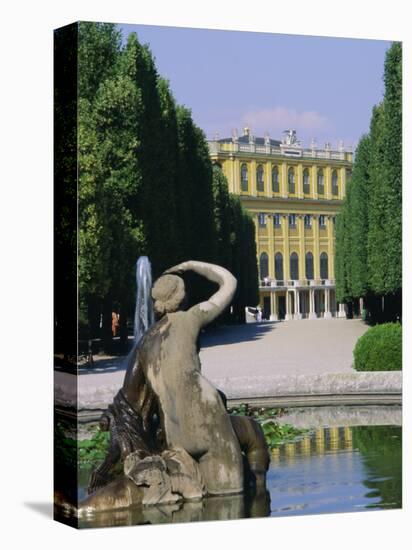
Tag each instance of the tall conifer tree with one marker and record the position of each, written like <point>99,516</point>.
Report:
<point>392,167</point>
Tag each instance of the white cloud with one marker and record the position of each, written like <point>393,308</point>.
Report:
<point>281,118</point>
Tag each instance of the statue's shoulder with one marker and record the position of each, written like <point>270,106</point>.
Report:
<point>185,319</point>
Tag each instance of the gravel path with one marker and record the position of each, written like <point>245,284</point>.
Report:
<point>295,347</point>
<point>259,349</point>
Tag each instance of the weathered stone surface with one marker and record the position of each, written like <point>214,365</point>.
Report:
<point>119,494</point>
<point>325,417</point>
<point>184,474</point>
<point>151,474</point>
<point>165,478</point>
<point>245,387</point>
<point>311,384</point>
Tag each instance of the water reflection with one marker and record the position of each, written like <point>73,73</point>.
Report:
<point>209,509</point>
<point>338,470</point>
<point>383,465</point>
<point>343,469</point>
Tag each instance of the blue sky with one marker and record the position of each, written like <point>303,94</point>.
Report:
<point>324,88</point>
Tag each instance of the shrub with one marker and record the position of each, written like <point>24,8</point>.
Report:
<point>379,349</point>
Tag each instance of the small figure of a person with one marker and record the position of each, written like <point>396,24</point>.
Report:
<point>115,323</point>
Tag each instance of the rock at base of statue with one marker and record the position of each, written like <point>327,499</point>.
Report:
<point>166,478</point>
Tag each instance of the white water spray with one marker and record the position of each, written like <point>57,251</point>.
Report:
<point>144,316</point>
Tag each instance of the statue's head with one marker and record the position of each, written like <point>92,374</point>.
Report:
<point>168,293</point>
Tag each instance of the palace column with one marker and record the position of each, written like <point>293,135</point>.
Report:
<point>312,314</point>
<point>268,179</point>
<point>273,306</point>
<point>256,220</point>
<point>299,181</point>
<point>328,183</point>
<point>283,181</point>
<point>236,176</point>
<point>301,233</point>
<point>253,190</point>
<point>316,255</point>
<point>327,314</point>
<point>270,227</point>
<point>342,187</point>
<point>314,175</point>
<point>297,314</point>
<point>331,247</point>
<point>288,315</point>
<point>286,248</point>
<point>341,311</point>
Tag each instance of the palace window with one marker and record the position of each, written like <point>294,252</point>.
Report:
<point>335,185</point>
<point>259,178</point>
<point>291,180</point>
<point>308,221</point>
<point>262,219</point>
<point>306,182</point>
<point>263,266</point>
<point>322,221</point>
<point>292,220</point>
<point>309,265</point>
<point>276,220</point>
<point>324,271</point>
<point>294,266</point>
<point>279,266</point>
<point>275,179</point>
<point>321,182</point>
<point>244,186</point>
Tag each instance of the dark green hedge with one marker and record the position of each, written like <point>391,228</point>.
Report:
<point>379,349</point>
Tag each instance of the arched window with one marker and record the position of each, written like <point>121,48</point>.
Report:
<point>279,266</point>
<point>244,178</point>
<point>324,271</point>
<point>306,181</point>
<point>259,178</point>
<point>294,266</point>
<point>291,180</point>
<point>263,266</point>
<point>321,182</point>
<point>275,179</point>
<point>335,185</point>
<point>309,265</point>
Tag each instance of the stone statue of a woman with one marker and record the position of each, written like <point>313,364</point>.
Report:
<point>166,404</point>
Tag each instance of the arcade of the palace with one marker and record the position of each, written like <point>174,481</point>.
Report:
<point>293,194</point>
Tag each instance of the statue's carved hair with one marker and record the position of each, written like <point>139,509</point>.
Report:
<point>168,293</point>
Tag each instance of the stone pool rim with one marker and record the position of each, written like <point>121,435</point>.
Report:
<point>298,390</point>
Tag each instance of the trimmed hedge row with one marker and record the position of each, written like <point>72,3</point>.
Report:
<point>379,349</point>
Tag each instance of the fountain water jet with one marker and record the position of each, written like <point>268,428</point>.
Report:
<point>143,317</point>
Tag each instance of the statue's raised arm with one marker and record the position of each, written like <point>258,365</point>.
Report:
<point>208,310</point>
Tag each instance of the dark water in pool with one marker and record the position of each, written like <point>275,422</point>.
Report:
<point>329,471</point>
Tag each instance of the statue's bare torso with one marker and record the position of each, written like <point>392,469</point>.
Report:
<point>192,413</point>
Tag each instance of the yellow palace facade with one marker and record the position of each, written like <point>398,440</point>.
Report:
<point>293,194</point>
